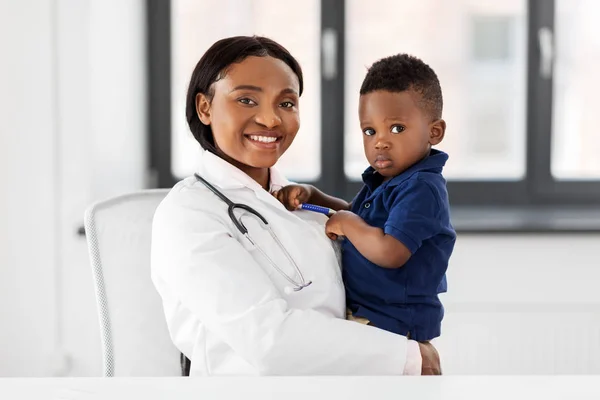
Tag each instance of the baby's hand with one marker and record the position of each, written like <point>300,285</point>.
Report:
<point>291,196</point>
<point>334,227</point>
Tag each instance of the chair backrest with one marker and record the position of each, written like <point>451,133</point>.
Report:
<point>135,339</point>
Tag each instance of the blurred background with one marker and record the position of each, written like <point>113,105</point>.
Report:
<point>92,105</point>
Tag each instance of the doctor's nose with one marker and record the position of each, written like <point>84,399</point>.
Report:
<point>268,117</point>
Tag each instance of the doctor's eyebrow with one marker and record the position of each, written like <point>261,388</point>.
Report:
<point>259,89</point>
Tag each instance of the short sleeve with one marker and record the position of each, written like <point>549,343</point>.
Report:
<point>414,214</point>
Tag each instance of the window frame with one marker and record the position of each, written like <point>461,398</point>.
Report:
<point>538,187</point>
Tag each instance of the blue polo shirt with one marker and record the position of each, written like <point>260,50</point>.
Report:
<point>412,207</point>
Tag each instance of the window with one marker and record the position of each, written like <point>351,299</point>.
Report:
<point>575,133</point>
<point>518,79</point>
<point>196,25</point>
<point>478,52</point>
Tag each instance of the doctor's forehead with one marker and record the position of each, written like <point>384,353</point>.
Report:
<point>260,73</point>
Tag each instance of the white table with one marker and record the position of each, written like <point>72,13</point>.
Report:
<point>306,388</point>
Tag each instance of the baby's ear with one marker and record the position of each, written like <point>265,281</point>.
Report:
<point>437,130</point>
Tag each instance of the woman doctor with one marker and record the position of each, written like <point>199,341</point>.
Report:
<point>236,306</point>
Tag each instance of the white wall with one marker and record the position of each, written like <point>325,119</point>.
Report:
<point>72,115</point>
<point>523,304</point>
<point>72,104</point>
<point>103,109</point>
<point>28,201</point>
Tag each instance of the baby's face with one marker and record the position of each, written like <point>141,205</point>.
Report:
<point>396,131</point>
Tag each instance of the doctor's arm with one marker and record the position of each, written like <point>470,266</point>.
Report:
<point>196,259</point>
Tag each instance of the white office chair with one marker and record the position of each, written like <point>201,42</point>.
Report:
<point>135,339</point>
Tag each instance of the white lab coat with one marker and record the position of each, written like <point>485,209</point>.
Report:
<point>226,307</point>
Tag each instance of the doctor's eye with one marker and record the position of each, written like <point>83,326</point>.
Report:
<point>398,129</point>
<point>369,131</point>
<point>247,101</point>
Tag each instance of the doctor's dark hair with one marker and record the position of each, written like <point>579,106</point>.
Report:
<point>403,72</point>
<point>213,66</point>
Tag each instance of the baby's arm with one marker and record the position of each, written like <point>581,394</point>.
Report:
<point>413,217</point>
<point>373,243</point>
<point>323,199</point>
<point>292,196</point>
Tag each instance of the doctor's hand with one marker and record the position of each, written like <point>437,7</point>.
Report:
<point>291,196</point>
<point>335,225</point>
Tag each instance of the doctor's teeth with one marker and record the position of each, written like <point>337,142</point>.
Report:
<point>264,139</point>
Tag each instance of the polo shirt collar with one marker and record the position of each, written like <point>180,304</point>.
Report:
<point>434,162</point>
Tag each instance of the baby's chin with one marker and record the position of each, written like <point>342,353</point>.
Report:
<point>385,172</point>
<point>388,173</point>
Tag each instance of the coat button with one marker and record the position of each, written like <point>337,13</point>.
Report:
<point>367,205</point>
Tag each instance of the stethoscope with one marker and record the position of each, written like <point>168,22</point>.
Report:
<point>231,206</point>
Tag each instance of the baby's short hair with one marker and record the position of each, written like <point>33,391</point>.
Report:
<point>404,72</point>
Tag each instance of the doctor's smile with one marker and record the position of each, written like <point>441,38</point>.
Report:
<point>253,110</point>
<point>265,140</point>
